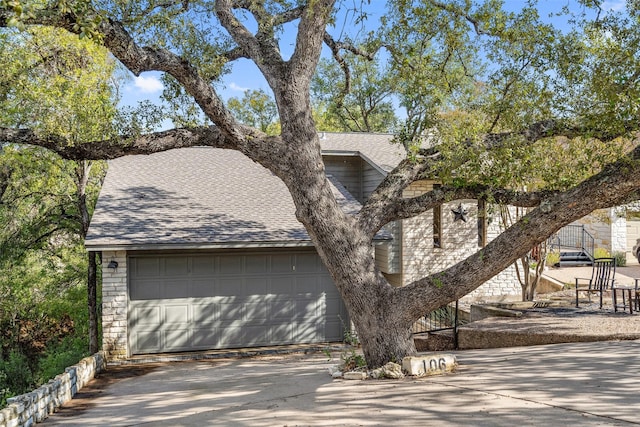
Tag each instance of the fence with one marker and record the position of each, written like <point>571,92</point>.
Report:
<point>442,319</point>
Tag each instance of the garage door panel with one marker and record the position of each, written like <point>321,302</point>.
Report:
<point>282,334</point>
<point>176,266</point>
<point>281,264</point>
<point>176,314</point>
<point>255,264</point>
<point>175,288</point>
<point>256,286</point>
<point>176,339</point>
<point>206,314</point>
<point>256,312</point>
<point>230,265</point>
<point>231,311</point>
<point>202,288</point>
<point>307,285</point>
<point>224,301</point>
<point>229,287</point>
<point>308,332</point>
<point>306,263</point>
<point>145,267</point>
<point>146,289</point>
<point>281,285</point>
<point>281,309</point>
<point>147,315</point>
<point>146,341</point>
<point>306,309</point>
<point>255,335</point>
<point>205,338</point>
<point>232,336</point>
<point>202,266</point>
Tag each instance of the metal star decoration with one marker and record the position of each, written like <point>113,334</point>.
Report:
<point>459,214</point>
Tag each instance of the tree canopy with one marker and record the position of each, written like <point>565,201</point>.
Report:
<point>494,98</point>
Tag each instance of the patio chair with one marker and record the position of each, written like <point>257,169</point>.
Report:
<point>602,278</point>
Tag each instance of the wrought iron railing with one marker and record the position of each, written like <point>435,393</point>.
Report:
<point>573,237</point>
<point>442,319</point>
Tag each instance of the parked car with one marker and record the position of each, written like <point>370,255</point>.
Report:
<point>636,250</point>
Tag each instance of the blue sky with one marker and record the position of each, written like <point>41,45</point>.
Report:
<point>245,74</point>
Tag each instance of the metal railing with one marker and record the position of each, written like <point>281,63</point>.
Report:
<point>573,237</point>
<point>442,319</point>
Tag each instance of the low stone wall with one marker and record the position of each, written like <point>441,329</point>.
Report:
<point>30,408</point>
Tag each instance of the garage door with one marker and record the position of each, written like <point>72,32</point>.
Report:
<point>212,301</point>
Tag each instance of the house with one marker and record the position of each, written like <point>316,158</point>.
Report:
<point>201,248</point>
<point>616,230</point>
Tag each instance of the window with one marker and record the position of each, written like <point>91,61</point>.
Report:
<point>482,223</point>
<point>437,223</point>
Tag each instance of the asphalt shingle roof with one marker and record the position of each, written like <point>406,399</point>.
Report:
<point>375,147</point>
<point>193,197</point>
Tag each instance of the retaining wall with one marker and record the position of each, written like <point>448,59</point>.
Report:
<point>30,408</point>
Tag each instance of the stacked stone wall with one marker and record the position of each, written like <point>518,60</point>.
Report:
<point>34,407</point>
<point>114,305</point>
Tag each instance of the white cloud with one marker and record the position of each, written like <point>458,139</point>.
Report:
<point>235,87</point>
<point>149,84</point>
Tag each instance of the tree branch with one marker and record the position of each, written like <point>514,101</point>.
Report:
<point>118,147</point>
<point>614,185</point>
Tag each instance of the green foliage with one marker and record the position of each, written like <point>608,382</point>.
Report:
<point>15,376</point>
<point>54,83</point>
<point>352,361</point>
<point>601,253</point>
<point>553,258</point>
<point>366,107</point>
<point>60,355</point>
<point>621,258</point>
<point>256,108</point>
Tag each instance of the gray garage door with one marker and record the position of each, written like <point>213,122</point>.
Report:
<point>211,301</point>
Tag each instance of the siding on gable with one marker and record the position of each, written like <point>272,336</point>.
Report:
<point>347,170</point>
<point>361,179</point>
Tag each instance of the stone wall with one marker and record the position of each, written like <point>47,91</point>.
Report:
<point>30,408</point>
<point>114,305</point>
<point>459,239</point>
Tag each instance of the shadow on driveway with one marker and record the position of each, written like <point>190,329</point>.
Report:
<point>584,384</point>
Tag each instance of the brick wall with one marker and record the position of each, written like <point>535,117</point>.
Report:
<point>114,305</point>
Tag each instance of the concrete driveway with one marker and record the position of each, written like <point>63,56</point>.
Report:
<point>586,384</point>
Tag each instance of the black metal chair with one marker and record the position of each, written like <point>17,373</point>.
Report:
<point>602,278</point>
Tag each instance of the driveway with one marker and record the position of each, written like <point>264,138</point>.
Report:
<point>586,384</point>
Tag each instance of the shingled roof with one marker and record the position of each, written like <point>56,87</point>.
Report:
<point>373,147</point>
<point>192,198</point>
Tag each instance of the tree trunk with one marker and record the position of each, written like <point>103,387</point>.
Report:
<point>92,281</point>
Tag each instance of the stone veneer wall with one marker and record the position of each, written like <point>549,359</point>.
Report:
<point>114,305</point>
<point>459,240</point>
<point>608,229</point>
<point>30,408</point>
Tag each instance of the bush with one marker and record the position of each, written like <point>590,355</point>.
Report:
<point>16,376</point>
<point>621,258</point>
<point>65,353</point>
<point>553,258</point>
<point>601,253</point>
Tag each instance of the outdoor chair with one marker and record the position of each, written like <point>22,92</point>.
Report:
<point>602,278</point>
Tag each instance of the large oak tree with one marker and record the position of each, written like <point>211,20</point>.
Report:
<point>489,95</point>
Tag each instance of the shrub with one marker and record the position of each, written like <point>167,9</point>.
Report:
<point>67,352</point>
<point>601,253</point>
<point>16,376</point>
<point>621,258</point>
<point>553,258</point>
